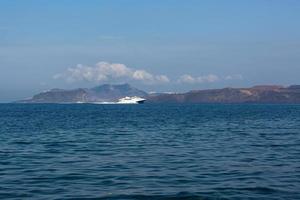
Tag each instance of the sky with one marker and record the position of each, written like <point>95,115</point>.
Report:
<point>155,45</point>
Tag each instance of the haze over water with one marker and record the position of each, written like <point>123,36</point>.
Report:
<point>150,151</point>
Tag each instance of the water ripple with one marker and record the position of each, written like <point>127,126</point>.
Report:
<point>176,151</point>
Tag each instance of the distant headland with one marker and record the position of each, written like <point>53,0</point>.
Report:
<point>108,92</point>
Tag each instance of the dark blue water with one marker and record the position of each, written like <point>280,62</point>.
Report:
<point>149,151</point>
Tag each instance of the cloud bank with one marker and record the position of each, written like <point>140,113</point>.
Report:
<point>210,78</point>
<point>104,71</point>
<point>110,72</point>
<point>186,78</point>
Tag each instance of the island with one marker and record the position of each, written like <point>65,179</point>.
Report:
<point>109,92</point>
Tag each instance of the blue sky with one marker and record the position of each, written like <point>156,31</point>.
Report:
<point>194,44</point>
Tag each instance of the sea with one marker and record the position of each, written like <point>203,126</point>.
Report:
<point>150,151</point>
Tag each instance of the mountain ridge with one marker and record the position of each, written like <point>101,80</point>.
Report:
<point>255,94</point>
<point>109,92</point>
<point>106,92</point>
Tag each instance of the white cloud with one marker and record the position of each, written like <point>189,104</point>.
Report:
<point>142,75</point>
<point>162,78</point>
<point>186,78</point>
<point>234,77</point>
<point>104,71</point>
<point>210,78</point>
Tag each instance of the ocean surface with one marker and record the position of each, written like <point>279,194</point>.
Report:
<point>150,151</point>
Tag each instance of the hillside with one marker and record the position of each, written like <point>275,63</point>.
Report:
<point>256,94</point>
<point>106,92</point>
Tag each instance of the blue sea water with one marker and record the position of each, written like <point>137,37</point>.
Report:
<point>150,151</point>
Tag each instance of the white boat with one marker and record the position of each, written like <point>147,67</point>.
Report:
<point>131,100</point>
